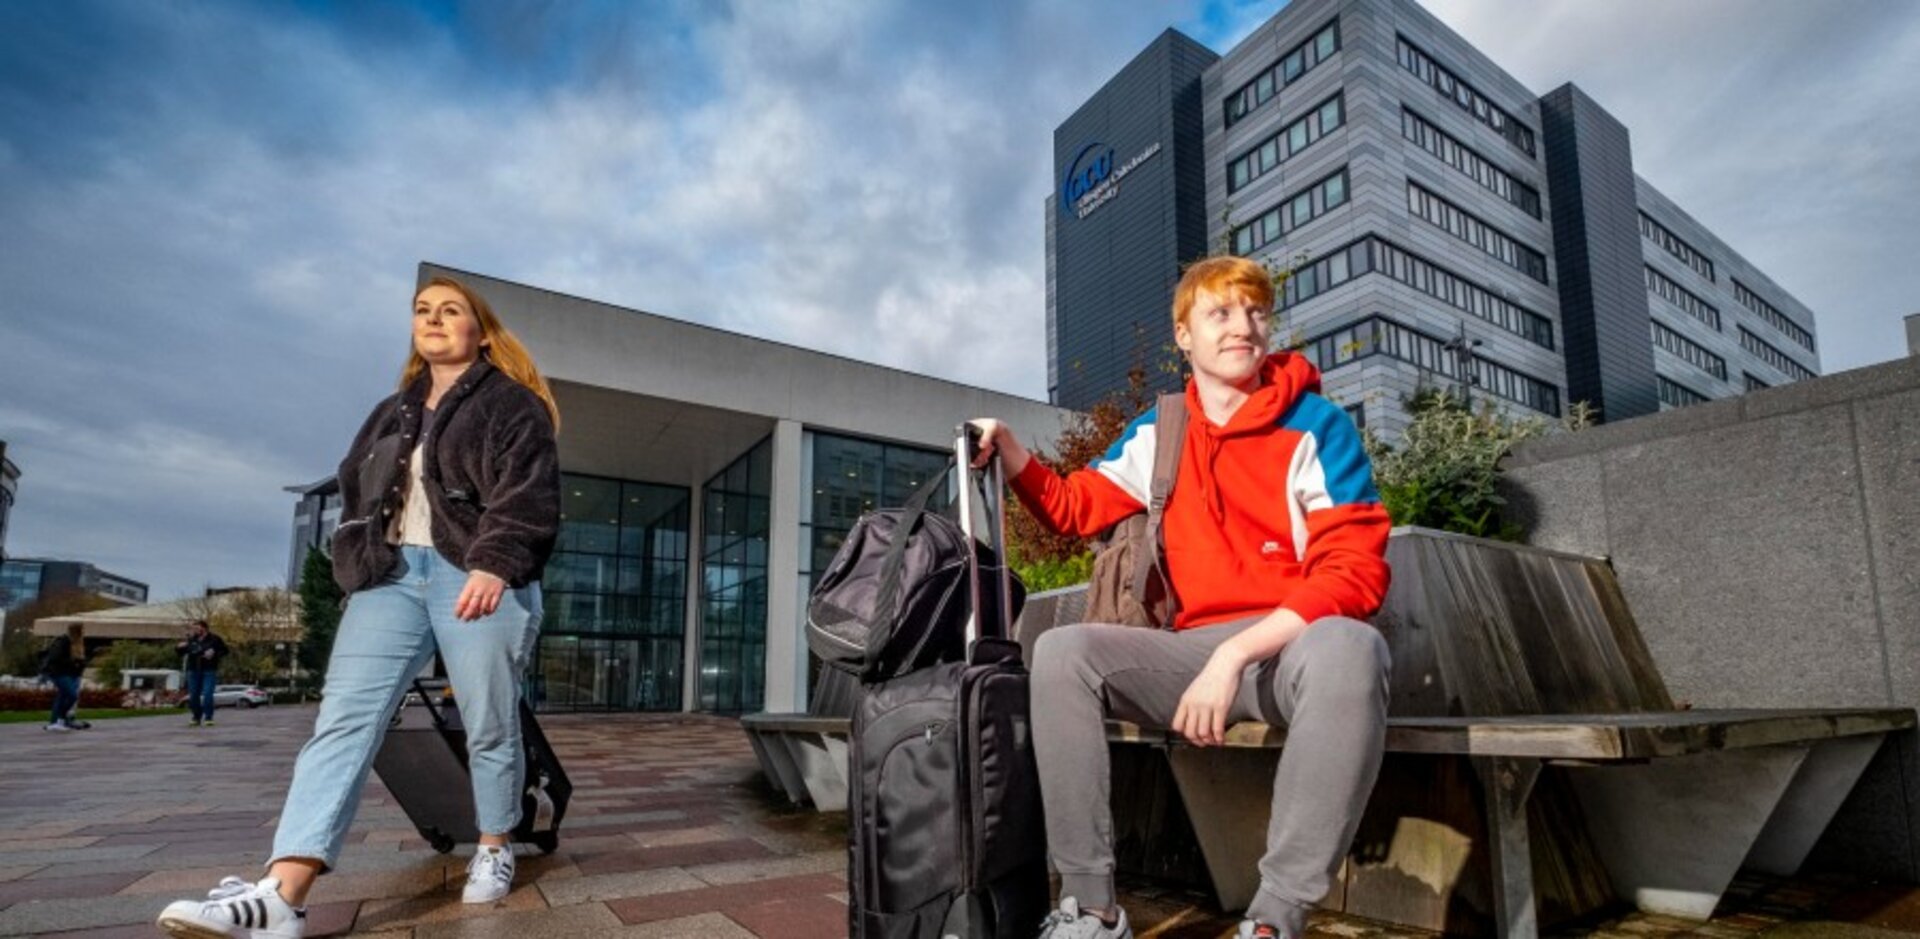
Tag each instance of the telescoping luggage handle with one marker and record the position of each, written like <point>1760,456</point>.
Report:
<point>966,439</point>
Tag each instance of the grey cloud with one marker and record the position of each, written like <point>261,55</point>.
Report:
<point>1787,128</point>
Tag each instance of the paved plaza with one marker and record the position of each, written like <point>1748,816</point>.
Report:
<point>671,834</point>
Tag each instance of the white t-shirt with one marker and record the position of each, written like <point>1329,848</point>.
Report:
<point>416,515</point>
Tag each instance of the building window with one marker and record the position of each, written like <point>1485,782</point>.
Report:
<point>1658,234</point>
<point>1774,317</point>
<point>1380,335</point>
<point>1675,395</point>
<point>1373,253</point>
<point>1662,286</point>
<point>734,533</point>
<point>1293,211</point>
<point>1297,62</point>
<point>1415,60</point>
<point>1766,352</point>
<point>1689,351</point>
<point>1256,162</point>
<point>1754,384</point>
<point>1357,412</point>
<point>615,596</point>
<point>1467,227</point>
<point>1468,161</point>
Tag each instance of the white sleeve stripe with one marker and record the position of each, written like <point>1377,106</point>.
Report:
<point>1306,490</point>
<point>1133,470</point>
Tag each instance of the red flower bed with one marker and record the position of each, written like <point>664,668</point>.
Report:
<point>41,699</point>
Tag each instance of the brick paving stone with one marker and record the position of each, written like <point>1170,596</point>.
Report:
<point>16,873</point>
<point>814,917</point>
<point>589,888</point>
<point>48,844</point>
<point>58,888</point>
<point>704,926</point>
<point>719,899</point>
<point>583,920</point>
<point>736,872</point>
<point>690,855</point>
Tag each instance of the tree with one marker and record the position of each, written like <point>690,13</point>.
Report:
<point>254,622</point>
<point>1043,559</point>
<point>320,609</point>
<point>20,649</point>
<point>132,653</point>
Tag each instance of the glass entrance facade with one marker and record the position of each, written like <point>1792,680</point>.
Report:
<point>735,525</point>
<point>616,598</point>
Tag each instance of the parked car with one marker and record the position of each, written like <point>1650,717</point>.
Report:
<point>246,696</point>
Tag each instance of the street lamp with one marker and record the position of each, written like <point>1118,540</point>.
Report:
<point>1464,363</point>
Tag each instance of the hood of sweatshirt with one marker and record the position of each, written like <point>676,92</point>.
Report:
<point>1284,377</point>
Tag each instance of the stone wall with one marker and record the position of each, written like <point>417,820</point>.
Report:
<point>1769,546</point>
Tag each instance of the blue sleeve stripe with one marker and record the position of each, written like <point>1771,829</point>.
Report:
<point>1126,436</point>
<point>1343,456</point>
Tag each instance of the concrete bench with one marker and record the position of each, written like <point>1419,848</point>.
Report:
<point>1537,769</point>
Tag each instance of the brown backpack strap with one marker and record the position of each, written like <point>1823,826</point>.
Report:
<point>1169,438</point>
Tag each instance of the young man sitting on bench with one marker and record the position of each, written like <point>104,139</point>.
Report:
<point>1275,541</point>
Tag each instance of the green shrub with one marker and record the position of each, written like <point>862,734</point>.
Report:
<point>1050,574</point>
<point>1445,472</point>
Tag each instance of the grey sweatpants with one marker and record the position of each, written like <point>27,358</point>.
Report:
<point>1329,687</point>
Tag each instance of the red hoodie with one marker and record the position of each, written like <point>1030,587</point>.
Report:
<point>1277,508</point>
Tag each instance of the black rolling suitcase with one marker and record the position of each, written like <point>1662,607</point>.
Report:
<point>947,834</point>
<point>423,762</point>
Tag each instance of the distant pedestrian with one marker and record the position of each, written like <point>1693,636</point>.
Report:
<point>450,508</point>
<point>66,659</point>
<point>203,650</point>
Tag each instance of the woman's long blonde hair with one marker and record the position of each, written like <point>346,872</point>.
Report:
<point>503,350</point>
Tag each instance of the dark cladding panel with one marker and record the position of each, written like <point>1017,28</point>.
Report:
<point>1596,241</point>
<point>1129,206</point>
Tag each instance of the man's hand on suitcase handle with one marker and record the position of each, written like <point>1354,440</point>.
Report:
<point>997,437</point>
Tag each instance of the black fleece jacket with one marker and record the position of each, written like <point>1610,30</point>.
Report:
<point>492,477</point>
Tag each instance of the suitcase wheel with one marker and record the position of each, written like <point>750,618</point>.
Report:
<point>546,841</point>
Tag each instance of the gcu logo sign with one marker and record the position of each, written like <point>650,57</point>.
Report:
<point>1092,180</point>
<point>1078,182</point>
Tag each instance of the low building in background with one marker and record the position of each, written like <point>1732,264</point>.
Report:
<point>23,580</point>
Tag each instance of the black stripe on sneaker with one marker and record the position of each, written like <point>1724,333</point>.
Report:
<point>261,906</point>
<point>242,913</point>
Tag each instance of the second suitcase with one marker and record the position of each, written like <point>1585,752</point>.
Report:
<point>423,762</point>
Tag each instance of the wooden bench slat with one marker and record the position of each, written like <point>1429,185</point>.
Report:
<point>1598,737</point>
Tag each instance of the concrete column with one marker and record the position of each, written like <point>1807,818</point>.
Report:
<point>1913,334</point>
<point>690,647</point>
<point>786,688</point>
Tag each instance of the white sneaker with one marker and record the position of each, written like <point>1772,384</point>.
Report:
<point>489,875</point>
<point>1068,922</point>
<point>235,910</point>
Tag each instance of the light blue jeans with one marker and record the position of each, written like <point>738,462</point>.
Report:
<point>387,635</point>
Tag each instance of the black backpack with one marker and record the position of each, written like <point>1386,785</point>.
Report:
<point>895,599</point>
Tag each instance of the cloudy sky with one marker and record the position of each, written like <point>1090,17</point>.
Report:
<point>210,213</point>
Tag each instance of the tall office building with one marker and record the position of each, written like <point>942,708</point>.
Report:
<point>1445,227</point>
